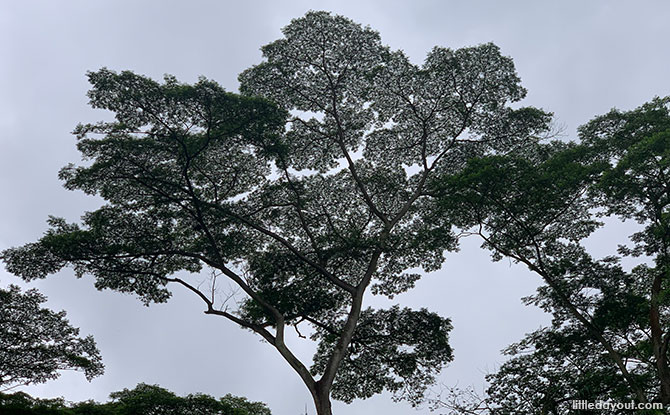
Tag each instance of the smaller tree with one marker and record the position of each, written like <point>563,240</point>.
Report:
<point>36,343</point>
<point>152,399</point>
<point>20,403</point>
<point>143,399</point>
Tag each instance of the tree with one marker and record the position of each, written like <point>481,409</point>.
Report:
<point>152,399</point>
<point>635,146</point>
<point>21,403</point>
<point>142,399</point>
<point>36,343</point>
<point>305,207</point>
<point>609,336</point>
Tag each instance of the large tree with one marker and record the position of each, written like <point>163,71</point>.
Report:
<point>305,206</point>
<point>610,331</point>
<point>37,343</point>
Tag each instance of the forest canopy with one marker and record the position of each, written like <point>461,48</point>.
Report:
<point>341,170</point>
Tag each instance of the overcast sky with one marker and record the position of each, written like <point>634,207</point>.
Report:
<point>577,59</point>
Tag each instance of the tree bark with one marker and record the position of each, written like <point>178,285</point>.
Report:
<point>658,341</point>
<point>321,397</point>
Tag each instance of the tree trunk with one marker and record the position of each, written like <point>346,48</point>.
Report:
<point>323,407</point>
<point>322,400</point>
<point>658,341</point>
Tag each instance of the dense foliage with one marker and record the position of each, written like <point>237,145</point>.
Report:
<point>37,343</point>
<point>143,399</point>
<point>610,332</point>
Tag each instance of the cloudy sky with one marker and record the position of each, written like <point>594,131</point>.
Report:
<point>577,59</point>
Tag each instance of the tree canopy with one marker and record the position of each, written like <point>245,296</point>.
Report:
<point>609,335</point>
<point>307,191</point>
<point>37,343</point>
<point>142,399</point>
